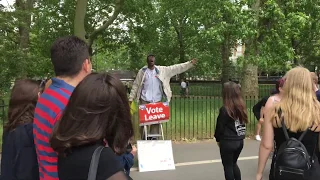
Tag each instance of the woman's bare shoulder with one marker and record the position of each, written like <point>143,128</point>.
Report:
<point>269,104</point>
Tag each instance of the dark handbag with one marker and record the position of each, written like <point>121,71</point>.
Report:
<point>92,175</point>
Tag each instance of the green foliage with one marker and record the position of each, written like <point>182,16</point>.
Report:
<point>283,34</point>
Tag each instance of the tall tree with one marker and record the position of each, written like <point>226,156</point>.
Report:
<point>222,31</point>
<point>23,10</point>
<point>79,20</point>
<point>249,80</point>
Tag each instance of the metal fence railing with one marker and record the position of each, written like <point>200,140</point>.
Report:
<point>195,117</point>
<point>192,117</point>
<point>214,89</point>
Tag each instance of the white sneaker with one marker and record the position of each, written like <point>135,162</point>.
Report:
<point>258,138</point>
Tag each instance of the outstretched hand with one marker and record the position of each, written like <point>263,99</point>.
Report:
<point>134,150</point>
<point>194,61</point>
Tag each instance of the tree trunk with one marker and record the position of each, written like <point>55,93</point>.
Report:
<point>23,9</point>
<point>182,52</point>
<point>249,80</point>
<point>117,9</point>
<point>295,45</point>
<point>81,9</point>
<point>225,55</point>
<point>181,48</point>
<point>79,28</point>
<point>249,83</point>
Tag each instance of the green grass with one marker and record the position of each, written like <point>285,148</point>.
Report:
<point>195,118</point>
<point>192,117</point>
<point>206,89</point>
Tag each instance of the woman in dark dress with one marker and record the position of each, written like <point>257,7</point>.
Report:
<point>300,111</point>
<point>97,114</point>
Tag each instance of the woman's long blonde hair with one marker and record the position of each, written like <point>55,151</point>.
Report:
<point>299,105</point>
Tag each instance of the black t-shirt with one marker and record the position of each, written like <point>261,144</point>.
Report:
<point>256,108</point>
<point>227,128</point>
<point>75,166</point>
<point>318,95</point>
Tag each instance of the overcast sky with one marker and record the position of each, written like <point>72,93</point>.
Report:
<point>7,2</point>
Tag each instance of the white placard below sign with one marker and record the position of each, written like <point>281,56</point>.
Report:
<point>155,155</point>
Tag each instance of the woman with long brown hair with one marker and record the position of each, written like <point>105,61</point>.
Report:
<point>98,114</point>
<point>19,158</point>
<point>231,129</point>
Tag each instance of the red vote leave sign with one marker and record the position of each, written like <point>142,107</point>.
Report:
<point>154,113</point>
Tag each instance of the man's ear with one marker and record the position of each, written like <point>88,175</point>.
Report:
<point>86,66</point>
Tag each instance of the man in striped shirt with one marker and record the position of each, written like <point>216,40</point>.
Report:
<point>71,62</point>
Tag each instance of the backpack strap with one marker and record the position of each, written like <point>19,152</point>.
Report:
<point>94,163</point>
<point>284,129</point>
<point>303,134</point>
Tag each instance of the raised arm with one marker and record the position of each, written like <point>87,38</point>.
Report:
<point>266,144</point>
<point>180,68</point>
<point>135,86</point>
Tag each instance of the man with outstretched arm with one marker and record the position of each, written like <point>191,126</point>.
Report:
<point>152,84</point>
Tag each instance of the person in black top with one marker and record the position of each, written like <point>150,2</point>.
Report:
<point>315,80</point>
<point>300,111</point>
<point>19,158</point>
<point>258,113</point>
<point>259,109</point>
<point>98,114</point>
<point>231,129</point>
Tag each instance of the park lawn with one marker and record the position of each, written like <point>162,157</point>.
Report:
<point>206,89</point>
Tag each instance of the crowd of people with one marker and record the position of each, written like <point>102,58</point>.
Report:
<point>53,129</point>
<point>78,124</point>
<point>290,117</point>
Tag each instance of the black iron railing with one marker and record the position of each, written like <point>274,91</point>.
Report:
<point>192,117</point>
<point>195,117</point>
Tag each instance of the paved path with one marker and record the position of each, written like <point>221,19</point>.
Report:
<point>201,161</point>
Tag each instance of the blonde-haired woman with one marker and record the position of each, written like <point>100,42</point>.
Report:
<point>300,111</point>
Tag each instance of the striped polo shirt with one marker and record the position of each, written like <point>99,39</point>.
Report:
<point>48,110</point>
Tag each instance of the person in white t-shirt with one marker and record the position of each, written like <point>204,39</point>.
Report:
<point>183,88</point>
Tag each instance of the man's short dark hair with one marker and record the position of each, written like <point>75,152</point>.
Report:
<point>68,54</point>
<point>107,107</point>
<point>150,55</point>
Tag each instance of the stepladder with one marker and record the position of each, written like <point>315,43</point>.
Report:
<point>153,132</point>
